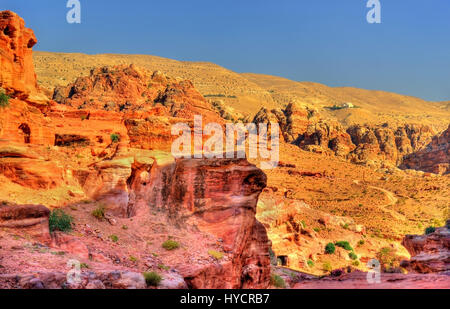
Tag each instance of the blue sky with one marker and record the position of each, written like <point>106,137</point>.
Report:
<point>326,41</point>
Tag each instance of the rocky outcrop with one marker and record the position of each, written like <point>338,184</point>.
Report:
<point>217,196</point>
<point>375,145</point>
<point>385,144</point>
<point>29,219</point>
<point>326,136</point>
<point>17,75</point>
<point>293,120</point>
<point>434,158</point>
<point>23,167</point>
<point>429,253</point>
<point>87,280</point>
<point>132,90</point>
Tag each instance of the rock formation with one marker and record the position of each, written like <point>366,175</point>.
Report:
<point>375,145</point>
<point>17,75</point>
<point>218,196</point>
<point>29,219</point>
<point>429,253</point>
<point>434,158</point>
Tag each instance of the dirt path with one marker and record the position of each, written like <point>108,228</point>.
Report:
<point>392,201</point>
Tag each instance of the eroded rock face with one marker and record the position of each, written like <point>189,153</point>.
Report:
<point>326,136</point>
<point>434,158</point>
<point>30,219</point>
<point>217,196</point>
<point>17,75</point>
<point>294,120</point>
<point>387,144</point>
<point>132,90</point>
<point>429,253</point>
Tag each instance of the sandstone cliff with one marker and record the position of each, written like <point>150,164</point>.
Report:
<point>434,158</point>
<point>430,253</point>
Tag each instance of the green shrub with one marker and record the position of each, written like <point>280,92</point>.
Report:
<point>344,244</point>
<point>84,265</point>
<point>216,254</point>
<point>152,278</point>
<point>326,266</point>
<point>133,258</point>
<point>170,245</point>
<point>361,243</point>
<point>330,248</point>
<point>430,229</point>
<point>277,281</point>
<point>353,256</point>
<point>310,263</point>
<point>388,258</point>
<point>60,221</point>
<point>4,99</point>
<point>273,257</point>
<point>163,267</point>
<point>114,238</point>
<point>355,263</point>
<point>99,212</point>
<point>115,138</point>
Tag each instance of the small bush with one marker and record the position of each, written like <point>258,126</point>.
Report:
<point>99,212</point>
<point>115,138</point>
<point>4,99</point>
<point>152,278</point>
<point>163,267</point>
<point>60,221</point>
<point>310,263</point>
<point>330,248</point>
<point>216,254</point>
<point>388,259</point>
<point>326,266</point>
<point>355,263</point>
<point>430,229</point>
<point>273,257</point>
<point>84,265</point>
<point>170,245</point>
<point>344,244</point>
<point>133,258</point>
<point>361,243</point>
<point>353,256</point>
<point>114,238</point>
<point>277,281</point>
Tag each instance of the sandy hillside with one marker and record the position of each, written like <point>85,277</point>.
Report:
<point>248,92</point>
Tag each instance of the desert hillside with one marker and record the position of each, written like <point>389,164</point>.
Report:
<point>370,106</point>
<point>247,93</point>
<point>213,81</point>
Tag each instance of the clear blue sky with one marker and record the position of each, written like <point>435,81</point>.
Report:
<point>326,41</point>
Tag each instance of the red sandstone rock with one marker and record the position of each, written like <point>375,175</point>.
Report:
<point>429,253</point>
<point>434,158</point>
<point>17,75</point>
<point>218,196</point>
<point>29,219</point>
